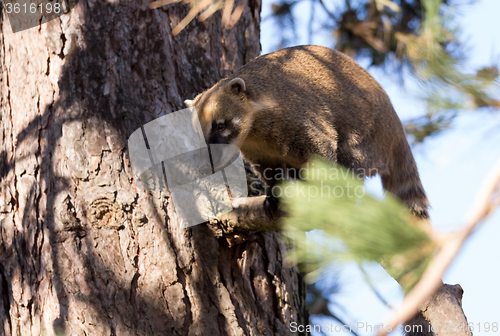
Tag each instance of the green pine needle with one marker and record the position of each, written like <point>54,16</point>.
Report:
<point>356,226</point>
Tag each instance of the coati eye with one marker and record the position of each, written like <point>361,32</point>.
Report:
<point>221,126</point>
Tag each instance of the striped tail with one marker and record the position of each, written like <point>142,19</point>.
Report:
<point>403,180</point>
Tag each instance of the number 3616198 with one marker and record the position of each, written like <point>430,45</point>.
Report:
<point>32,8</point>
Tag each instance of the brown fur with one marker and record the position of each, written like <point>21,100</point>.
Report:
<point>308,100</point>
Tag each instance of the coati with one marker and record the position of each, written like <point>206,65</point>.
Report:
<point>283,107</point>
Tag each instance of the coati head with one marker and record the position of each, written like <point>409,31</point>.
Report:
<point>224,112</point>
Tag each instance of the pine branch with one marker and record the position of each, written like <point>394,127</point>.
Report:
<point>430,283</point>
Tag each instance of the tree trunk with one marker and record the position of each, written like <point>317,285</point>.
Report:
<point>82,250</point>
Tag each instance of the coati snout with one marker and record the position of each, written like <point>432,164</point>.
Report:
<point>283,107</point>
<point>224,113</point>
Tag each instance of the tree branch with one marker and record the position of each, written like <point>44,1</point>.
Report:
<point>444,305</point>
<point>417,299</point>
<point>249,214</point>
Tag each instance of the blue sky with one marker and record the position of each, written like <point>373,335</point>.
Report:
<point>452,167</point>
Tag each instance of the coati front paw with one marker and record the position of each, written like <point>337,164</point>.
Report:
<point>271,207</point>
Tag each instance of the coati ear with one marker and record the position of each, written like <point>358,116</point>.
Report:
<point>237,85</point>
<point>189,103</point>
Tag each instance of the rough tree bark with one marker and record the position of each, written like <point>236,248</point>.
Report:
<point>82,250</point>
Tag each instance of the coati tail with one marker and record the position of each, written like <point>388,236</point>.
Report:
<point>403,180</point>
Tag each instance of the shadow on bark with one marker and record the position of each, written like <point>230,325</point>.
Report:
<point>87,234</point>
